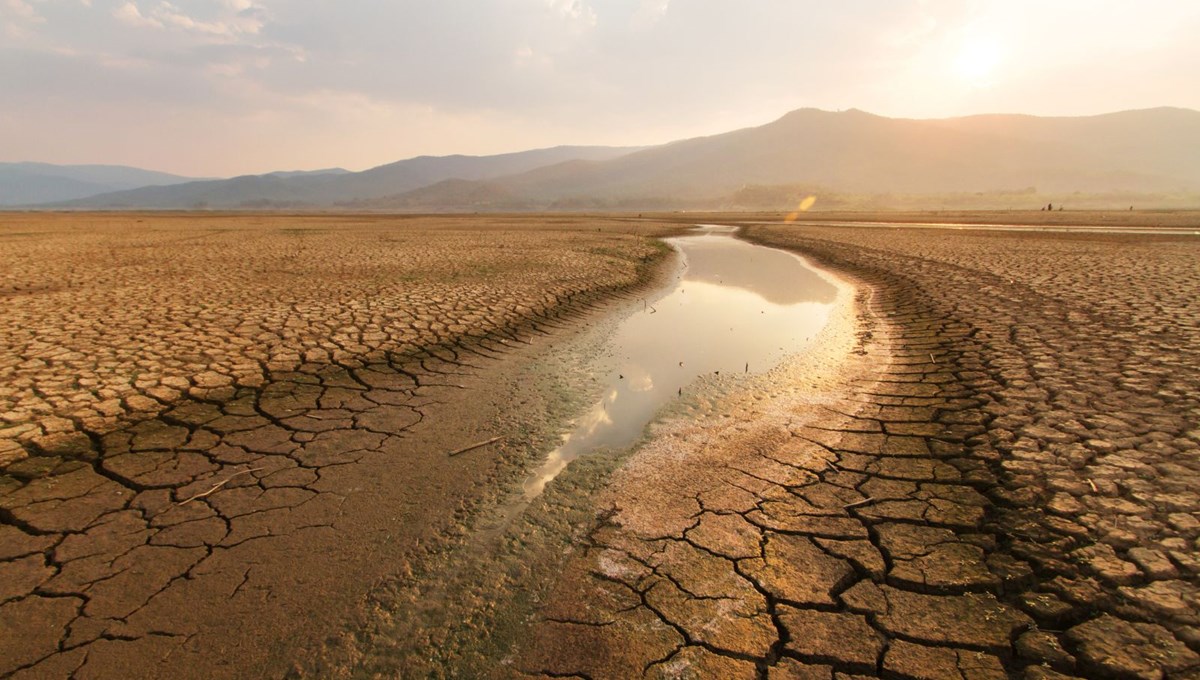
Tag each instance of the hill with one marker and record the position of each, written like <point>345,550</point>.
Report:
<point>1155,150</point>
<point>331,188</point>
<point>1119,156</point>
<point>26,183</point>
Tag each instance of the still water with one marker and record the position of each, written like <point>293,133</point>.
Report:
<point>734,308</point>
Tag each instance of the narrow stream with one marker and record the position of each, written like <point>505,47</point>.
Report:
<point>735,307</point>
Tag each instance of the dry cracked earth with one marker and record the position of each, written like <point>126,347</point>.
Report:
<point>1006,484</point>
<point>203,419</point>
<point>206,448</point>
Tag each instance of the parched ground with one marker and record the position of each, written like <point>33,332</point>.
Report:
<point>217,431</point>
<point>1002,479</point>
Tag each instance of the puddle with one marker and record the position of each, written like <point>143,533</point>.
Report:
<point>734,308</point>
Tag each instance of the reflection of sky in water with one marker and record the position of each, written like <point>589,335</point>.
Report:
<point>736,305</point>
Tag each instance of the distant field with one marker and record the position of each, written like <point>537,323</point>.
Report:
<point>1183,219</point>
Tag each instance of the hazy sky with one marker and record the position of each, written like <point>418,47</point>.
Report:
<point>223,87</point>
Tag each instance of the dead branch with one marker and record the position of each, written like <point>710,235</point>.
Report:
<point>472,447</point>
<point>218,485</point>
<point>858,504</point>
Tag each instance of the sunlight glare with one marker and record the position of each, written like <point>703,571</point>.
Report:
<point>805,204</point>
<point>977,62</point>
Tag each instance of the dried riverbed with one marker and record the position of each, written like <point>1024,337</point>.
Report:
<point>997,481</point>
<point>730,305</point>
<point>986,468</point>
<point>218,431</point>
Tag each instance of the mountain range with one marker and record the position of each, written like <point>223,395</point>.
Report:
<point>26,183</point>
<point>287,190</point>
<point>1147,151</point>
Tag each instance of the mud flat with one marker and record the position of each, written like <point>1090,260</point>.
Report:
<point>218,432</point>
<point>991,473</point>
<point>986,468</point>
<point>729,311</point>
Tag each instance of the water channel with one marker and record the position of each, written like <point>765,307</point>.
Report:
<point>733,308</point>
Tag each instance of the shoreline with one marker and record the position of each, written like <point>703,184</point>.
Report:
<point>262,514</point>
<point>509,579</point>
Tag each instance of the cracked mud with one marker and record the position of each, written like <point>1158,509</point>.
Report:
<point>993,473</point>
<point>989,471</point>
<point>214,431</point>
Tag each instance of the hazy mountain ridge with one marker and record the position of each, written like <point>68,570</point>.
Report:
<point>306,173</point>
<point>1156,150</point>
<point>852,152</point>
<point>330,189</point>
<point>27,183</point>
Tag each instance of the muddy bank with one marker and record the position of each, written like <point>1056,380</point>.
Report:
<point>466,612</point>
<point>238,523</point>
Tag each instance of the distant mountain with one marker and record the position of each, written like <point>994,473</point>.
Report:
<point>307,173</point>
<point>284,190</point>
<point>853,151</point>
<point>849,153</point>
<point>27,183</point>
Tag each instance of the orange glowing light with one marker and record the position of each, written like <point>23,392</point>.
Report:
<point>803,207</point>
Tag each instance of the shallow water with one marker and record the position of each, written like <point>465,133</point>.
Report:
<point>735,308</point>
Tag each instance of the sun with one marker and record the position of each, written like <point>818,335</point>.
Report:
<point>977,62</point>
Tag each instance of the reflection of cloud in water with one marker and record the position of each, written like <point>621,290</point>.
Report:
<point>641,381</point>
<point>595,419</point>
<point>737,308</point>
<point>773,274</point>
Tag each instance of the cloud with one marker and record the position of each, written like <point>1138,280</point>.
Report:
<point>648,13</point>
<point>513,73</point>
<point>23,10</point>
<point>575,11</point>
<point>233,18</point>
<point>18,16</point>
<point>131,15</point>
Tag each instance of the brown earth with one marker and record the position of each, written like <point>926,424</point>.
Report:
<point>989,469</point>
<point>993,471</point>
<point>218,432</point>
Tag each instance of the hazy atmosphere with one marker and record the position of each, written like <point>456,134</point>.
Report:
<point>604,339</point>
<point>246,86</point>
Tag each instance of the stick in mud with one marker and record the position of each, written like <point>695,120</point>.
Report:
<point>858,504</point>
<point>218,485</point>
<point>472,447</point>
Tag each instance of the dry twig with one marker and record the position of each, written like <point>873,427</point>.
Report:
<point>474,446</point>
<point>858,504</point>
<point>218,485</point>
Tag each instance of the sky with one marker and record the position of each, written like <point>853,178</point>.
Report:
<point>227,87</point>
